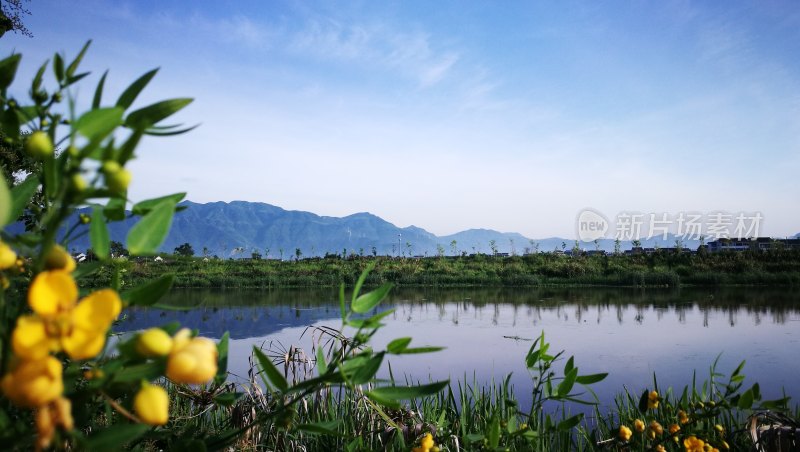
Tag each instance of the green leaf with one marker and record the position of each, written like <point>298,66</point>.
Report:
<point>372,322</point>
<point>493,435</point>
<point>157,132</point>
<point>591,379</point>
<point>152,114</point>
<point>474,437</point>
<point>222,360</point>
<point>148,293</point>
<point>6,201</point>
<point>273,374</point>
<point>8,69</point>
<point>58,67</point>
<point>408,392</point>
<point>97,124</point>
<point>364,373</point>
<point>143,207</point>
<point>228,398</point>
<point>398,345</point>
<point>129,95</point>
<point>322,428</point>
<point>746,400</point>
<point>127,148</point>
<point>321,365</point>
<point>9,123</point>
<point>570,365</point>
<point>369,300</point>
<point>21,196</point>
<point>52,177</point>
<point>567,383</point>
<point>360,282</point>
<point>115,209</point>
<point>643,402</point>
<point>148,371</point>
<point>116,436</point>
<point>569,422</point>
<point>149,233</point>
<point>98,234</point>
<point>37,79</point>
<point>74,65</point>
<point>98,92</point>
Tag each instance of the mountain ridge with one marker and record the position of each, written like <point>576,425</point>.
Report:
<point>241,228</point>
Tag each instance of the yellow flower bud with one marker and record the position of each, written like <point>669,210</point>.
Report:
<point>656,428</point>
<point>59,259</point>
<point>624,433</point>
<point>119,181</point>
<point>110,167</point>
<point>78,183</point>
<point>8,258</point>
<point>652,400</point>
<point>427,441</point>
<point>193,363</point>
<point>154,342</point>
<point>39,145</point>
<point>152,405</point>
<point>638,425</point>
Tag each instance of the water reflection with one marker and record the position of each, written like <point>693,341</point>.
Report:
<point>258,313</point>
<point>629,333</point>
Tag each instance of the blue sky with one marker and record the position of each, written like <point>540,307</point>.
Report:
<point>452,115</point>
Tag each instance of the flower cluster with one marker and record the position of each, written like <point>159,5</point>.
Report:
<point>653,435</point>
<point>190,360</point>
<point>59,323</point>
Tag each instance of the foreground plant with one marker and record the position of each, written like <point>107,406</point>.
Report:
<point>57,383</point>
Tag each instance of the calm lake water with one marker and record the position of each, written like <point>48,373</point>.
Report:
<point>629,333</point>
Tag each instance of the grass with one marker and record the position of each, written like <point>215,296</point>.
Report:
<point>468,415</point>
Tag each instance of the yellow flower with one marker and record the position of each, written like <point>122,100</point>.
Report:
<point>154,342</point>
<point>56,414</point>
<point>682,417</point>
<point>152,405</point>
<point>33,384</point>
<point>652,400</point>
<point>59,323</point>
<point>656,428</point>
<point>8,258</point>
<point>624,433</point>
<point>59,259</point>
<point>427,441</point>
<point>192,360</point>
<point>694,444</point>
<point>638,425</point>
<point>674,428</point>
<point>426,444</point>
<point>660,448</point>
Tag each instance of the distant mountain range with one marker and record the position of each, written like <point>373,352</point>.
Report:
<point>238,228</point>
